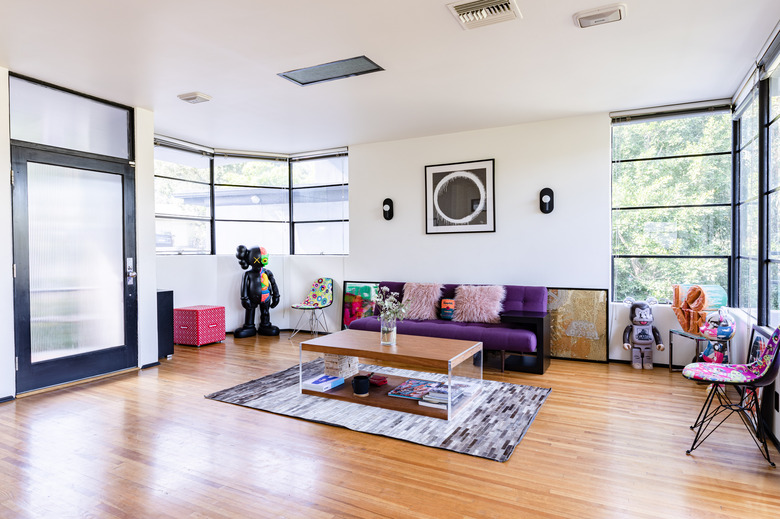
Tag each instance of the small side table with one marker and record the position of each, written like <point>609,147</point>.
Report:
<point>539,323</point>
<point>697,338</point>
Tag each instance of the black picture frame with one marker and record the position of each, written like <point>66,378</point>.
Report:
<point>759,338</point>
<point>450,192</point>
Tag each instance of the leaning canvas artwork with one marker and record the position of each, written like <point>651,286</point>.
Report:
<point>358,301</point>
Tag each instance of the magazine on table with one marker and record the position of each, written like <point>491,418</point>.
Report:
<point>413,388</point>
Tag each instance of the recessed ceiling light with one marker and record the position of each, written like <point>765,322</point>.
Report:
<point>195,97</point>
<point>330,71</point>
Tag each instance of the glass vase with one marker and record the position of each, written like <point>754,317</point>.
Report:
<point>387,331</point>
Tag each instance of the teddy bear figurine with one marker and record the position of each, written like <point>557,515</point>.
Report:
<point>640,336</point>
<point>258,290</point>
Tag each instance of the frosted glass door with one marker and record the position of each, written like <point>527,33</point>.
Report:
<point>76,259</point>
<point>75,301</point>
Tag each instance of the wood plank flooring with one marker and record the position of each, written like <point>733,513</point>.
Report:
<point>609,443</point>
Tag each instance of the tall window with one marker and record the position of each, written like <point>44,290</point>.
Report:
<point>746,148</point>
<point>182,200</point>
<point>251,202</point>
<point>320,205</point>
<point>671,203</point>
<point>773,196</point>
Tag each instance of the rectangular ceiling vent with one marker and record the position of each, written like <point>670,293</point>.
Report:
<point>600,16</point>
<point>479,13</point>
<point>329,71</point>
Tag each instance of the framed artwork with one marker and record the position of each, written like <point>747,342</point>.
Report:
<point>460,197</point>
<point>759,338</point>
<point>358,301</point>
<point>578,323</point>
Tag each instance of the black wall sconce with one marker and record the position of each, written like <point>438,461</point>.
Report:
<point>546,200</point>
<point>387,209</point>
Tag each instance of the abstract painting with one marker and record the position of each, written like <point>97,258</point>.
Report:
<point>358,301</point>
<point>578,323</point>
<point>460,197</point>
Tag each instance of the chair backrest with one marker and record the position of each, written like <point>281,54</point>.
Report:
<point>321,293</point>
<point>768,365</point>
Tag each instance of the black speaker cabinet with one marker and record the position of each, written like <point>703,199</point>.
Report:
<point>164,323</point>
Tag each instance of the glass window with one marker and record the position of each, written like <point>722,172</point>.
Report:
<point>321,238</point>
<point>275,237</point>
<point>747,206</point>
<point>322,203</point>
<point>693,134</point>
<point>179,236</point>
<point>320,195</point>
<point>182,201</point>
<point>320,172</point>
<point>252,203</point>
<point>239,171</point>
<point>671,201</point>
<point>54,117</point>
<point>643,277</point>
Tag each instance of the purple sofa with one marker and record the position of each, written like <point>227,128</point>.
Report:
<point>523,330</point>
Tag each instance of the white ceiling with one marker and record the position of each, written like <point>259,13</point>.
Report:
<point>438,78</point>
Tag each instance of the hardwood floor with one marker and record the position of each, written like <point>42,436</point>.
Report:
<point>609,442</point>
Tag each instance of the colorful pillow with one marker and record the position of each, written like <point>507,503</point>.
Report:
<point>478,304</point>
<point>422,299</point>
<point>447,309</point>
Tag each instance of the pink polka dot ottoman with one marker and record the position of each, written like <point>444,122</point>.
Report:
<point>198,325</point>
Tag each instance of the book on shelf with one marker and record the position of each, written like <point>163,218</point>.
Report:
<point>438,401</point>
<point>440,394</point>
<point>437,405</point>
<point>413,388</point>
<point>322,383</point>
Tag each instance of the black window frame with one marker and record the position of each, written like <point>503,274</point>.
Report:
<point>727,259</point>
<point>212,218</point>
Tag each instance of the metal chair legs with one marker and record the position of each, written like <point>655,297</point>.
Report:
<point>748,409</point>
<point>317,323</point>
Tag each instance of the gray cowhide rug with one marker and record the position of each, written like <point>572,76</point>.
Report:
<point>491,426</point>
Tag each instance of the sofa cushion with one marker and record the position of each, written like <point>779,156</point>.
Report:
<point>478,304</point>
<point>422,300</point>
<point>500,336</point>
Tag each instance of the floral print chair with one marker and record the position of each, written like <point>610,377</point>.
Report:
<point>319,297</point>
<point>747,379</point>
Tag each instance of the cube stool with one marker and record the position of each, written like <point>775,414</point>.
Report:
<point>198,325</point>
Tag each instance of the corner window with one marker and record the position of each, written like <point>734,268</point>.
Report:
<point>207,203</point>
<point>671,203</point>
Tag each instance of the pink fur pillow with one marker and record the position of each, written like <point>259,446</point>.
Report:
<point>422,300</point>
<point>478,304</point>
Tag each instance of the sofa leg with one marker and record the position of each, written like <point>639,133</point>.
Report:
<point>503,358</point>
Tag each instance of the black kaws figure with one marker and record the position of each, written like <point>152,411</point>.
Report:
<point>258,289</point>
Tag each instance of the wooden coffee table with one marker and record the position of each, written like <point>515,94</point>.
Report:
<point>449,356</point>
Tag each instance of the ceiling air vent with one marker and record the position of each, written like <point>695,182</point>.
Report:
<point>600,16</point>
<point>471,15</point>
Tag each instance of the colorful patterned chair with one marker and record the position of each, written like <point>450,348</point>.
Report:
<point>747,379</point>
<point>320,297</point>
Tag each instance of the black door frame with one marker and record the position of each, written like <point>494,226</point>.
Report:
<point>31,376</point>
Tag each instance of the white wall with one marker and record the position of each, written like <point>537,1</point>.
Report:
<point>146,262</point>
<point>568,248</point>
<point>7,347</point>
<point>216,280</point>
